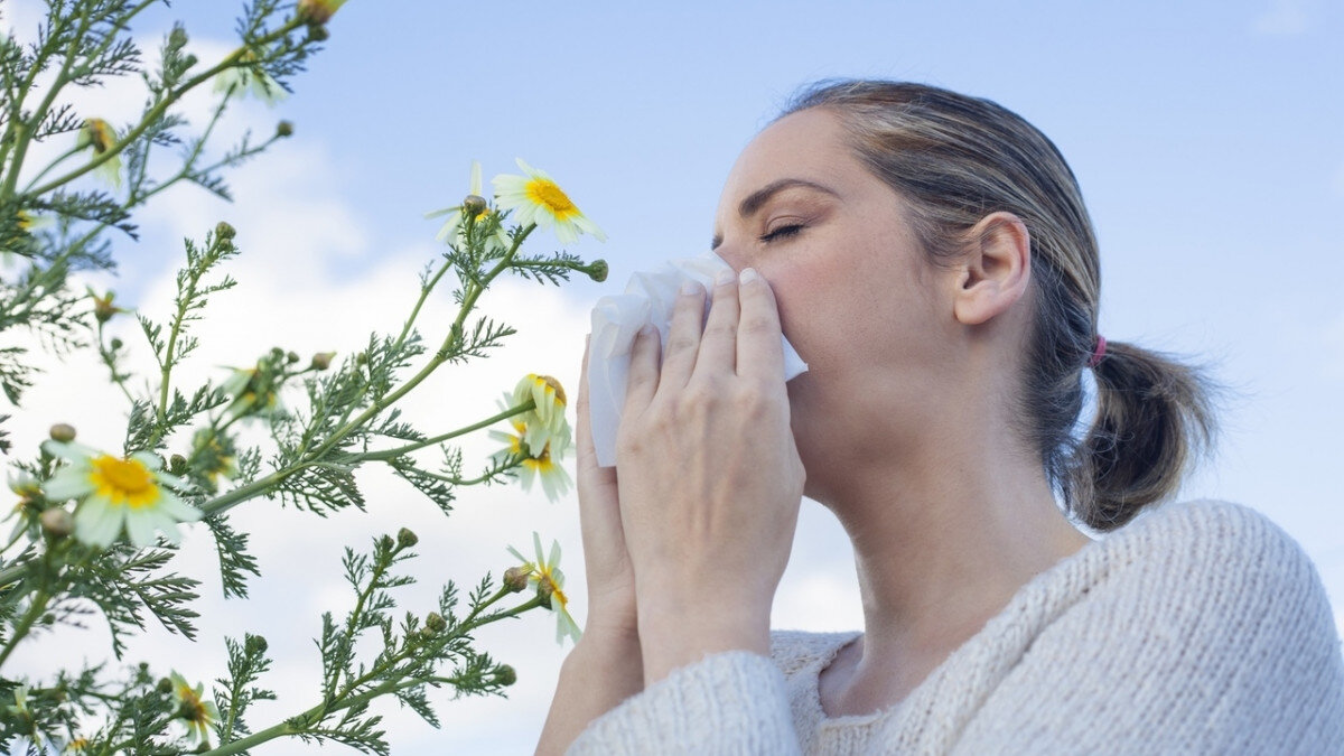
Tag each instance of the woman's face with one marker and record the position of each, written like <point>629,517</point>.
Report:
<point>857,297</point>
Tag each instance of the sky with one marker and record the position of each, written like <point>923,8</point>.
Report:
<point>1208,138</point>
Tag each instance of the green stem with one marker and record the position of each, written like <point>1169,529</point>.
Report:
<point>346,701</point>
<point>159,109</point>
<point>386,454</point>
<point>35,610</point>
<point>415,312</point>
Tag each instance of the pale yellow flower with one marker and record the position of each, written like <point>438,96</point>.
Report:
<point>250,79</point>
<point>114,492</point>
<point>453,229</point>
<point>195,712</point>
<point>100,135</point>
<point>545,574</point>
<point>536,198</point>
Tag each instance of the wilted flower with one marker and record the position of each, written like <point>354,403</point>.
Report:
<point>248,77</point>
<point>473,207</point>
<point>197,714</point>
<point>545,574</point>
<point>100,135</point>
<point>536,198</point>
<point>216,455</point>
<point>113,491</point>
<point>103,309</point>
<point>254,391</point>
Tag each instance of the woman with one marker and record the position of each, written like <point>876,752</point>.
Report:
<point>930,257</point>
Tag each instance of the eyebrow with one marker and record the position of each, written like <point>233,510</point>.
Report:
<point>752,203</point>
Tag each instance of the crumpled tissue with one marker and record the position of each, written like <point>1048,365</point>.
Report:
<point>616,320</point>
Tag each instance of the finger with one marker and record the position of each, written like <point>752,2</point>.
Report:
<point>683,336</point>
<point>583,432</point>
<point>718,346</point>
<point>760,348</point>
<point>642,380</point>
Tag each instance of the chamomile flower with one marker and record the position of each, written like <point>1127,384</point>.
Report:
<point>249,78</point>
<point>100,135</point>
<point>545,574</point>
<point>217,456</point>
<point>474,207</point>
<point>114,492</point>
<point>546,423</point>
<point>196,713</point>
<point>536,198</point>
<point>543,465</point>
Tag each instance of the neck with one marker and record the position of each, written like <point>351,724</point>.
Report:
<point>944,539</point>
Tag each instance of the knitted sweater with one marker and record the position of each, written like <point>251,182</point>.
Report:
<point>1198,628</point>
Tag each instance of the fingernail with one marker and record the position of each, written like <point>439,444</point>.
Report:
<point>689,287</point>
<point>724,277</point>
<point>748,275</point>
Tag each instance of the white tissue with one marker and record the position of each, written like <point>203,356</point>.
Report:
<point>648,298</point>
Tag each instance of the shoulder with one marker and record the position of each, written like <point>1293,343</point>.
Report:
<point>793,650</point>
<point>1232,545</point>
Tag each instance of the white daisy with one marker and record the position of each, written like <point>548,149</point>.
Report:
<point>536,198</point>
<point>550,581</point>
<point>114,492</point>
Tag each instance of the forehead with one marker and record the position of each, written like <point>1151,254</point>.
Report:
<point>809,144</point>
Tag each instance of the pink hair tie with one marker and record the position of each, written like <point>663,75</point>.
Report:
<point>1097,353</point>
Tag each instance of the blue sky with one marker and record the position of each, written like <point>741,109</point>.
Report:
<point>1208,138</point>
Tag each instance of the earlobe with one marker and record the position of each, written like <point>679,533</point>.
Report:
<point>996,271</point>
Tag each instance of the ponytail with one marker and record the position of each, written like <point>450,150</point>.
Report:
<point>1154,418</point>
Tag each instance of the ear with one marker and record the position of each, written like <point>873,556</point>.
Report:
<point>995,271</point>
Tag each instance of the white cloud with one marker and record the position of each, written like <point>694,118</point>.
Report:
<point>1286,18</point>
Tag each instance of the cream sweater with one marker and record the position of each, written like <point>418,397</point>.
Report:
<point>1198,628</point>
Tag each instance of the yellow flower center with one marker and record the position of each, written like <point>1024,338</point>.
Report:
<point>25,220</point>
<point>123,482</point>
<point>546,193</point>
<point>100,135</point>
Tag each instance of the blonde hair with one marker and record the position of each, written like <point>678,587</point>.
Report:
<point>956,159</point>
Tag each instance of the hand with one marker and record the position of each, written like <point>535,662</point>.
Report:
<point>710,478</point>
<point>611,580</point>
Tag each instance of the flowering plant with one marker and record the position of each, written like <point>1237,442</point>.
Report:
<point>94,531</point>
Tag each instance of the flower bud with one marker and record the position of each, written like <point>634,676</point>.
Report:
<point>436,622</point>
<point>255,645</point>
<point>177,464</point>
<point>322,360</point>
<point>362,358</point>
<point>57,523</point>
<point>505,675</point>
<point>103,309</point>
<point>177,38</point>
<point>473,205</point>
<point>190,60</point>
<point>545,589</point>
<point>515,578</point>
<point>62,432</point>
<point>165,685</point>
<point>406,539</point>
<point>292,357</point>
<point>116,344</point>
<point>277,354</point>
<point>598,270</point>
<point>386,543</point>
<point>284,129</point>
<point>425,633</point>
<point>318,33</point>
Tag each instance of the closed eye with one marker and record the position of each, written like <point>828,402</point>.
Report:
<point>783,232</point>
